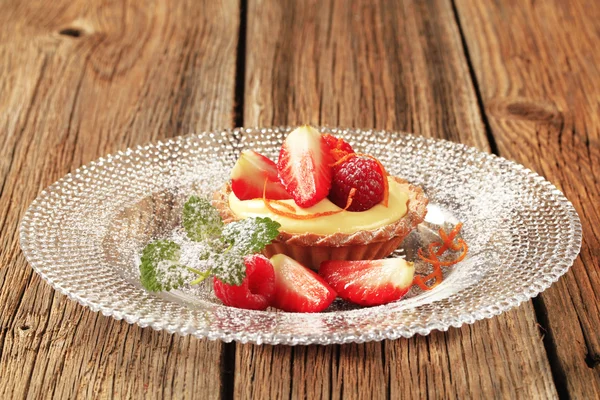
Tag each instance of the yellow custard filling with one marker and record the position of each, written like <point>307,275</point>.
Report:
<point>345,222</point>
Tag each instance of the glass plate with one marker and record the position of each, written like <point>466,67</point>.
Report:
<point>84,233</point>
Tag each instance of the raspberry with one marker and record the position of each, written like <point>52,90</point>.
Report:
<point>363,174</point>
<point>257,289</point>
<point>337,147</point>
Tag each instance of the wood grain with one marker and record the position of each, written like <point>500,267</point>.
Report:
<point>83,79</point>
<point>539,83</point>
<point>78,81</point>
<point>397,66</point>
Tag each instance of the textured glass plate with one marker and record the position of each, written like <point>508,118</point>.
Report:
<point>84,233</point>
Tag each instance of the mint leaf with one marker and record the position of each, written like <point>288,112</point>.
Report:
<point>251,235</point>
<point>200,219</point>
<point>244,237</point>
<point>229,267</point>
<point>160,268</point>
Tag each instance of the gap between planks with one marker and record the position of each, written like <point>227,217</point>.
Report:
<point>229,349</point>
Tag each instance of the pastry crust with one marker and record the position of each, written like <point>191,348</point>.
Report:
<point>311,249</point>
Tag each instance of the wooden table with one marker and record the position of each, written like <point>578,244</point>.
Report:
<point>520,79</point>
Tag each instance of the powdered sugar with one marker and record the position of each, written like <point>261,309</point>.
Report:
<point>190,251</point>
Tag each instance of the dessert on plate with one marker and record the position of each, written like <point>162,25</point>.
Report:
<point>324,218</point>
<point>332,203</point>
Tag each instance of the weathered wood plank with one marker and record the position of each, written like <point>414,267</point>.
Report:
<point>121,73</point>
<point>392,65</point>
<point>539,77</point>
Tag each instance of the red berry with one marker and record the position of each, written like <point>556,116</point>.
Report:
<point>369,283</point>
<point>297,288</point>
<point>249,174</point>
<point>304,166</point>
<point>337,147</point>
<point>363,174</point>
<point>257,289</point>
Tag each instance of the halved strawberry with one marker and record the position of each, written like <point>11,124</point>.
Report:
<point>369,283</point>
<point>257,289</point>
<point>304,166</point>
<point>338,147</point>
<point>249,174</point>
<point>297,288</point>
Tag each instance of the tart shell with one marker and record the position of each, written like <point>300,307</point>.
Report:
<point>311,249</point>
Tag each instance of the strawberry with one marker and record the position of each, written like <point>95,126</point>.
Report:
<point>297,288</point>
<point>338,147</point>
<point>369,283</point>
<point>249,174</point>
<point>304,166</point>
<point>257,289</point>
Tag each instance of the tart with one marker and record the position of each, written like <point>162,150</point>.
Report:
<point>311,247</point>
<point>332,203</point>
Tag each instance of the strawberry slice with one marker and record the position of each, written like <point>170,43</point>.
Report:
<point>249,174</point>
<point>304,166</point>
<point>257,288</point>
<point>338,148</point>
<point>297,288</point>
<point>369,283</point>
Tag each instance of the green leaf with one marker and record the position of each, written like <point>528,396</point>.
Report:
<point>251,235</point>
<point>245,237</point>
<point>200,219</point>
<point>160,269</point>
<point>229,268</point>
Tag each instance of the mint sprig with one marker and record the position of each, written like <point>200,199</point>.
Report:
<point>225,247</point>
